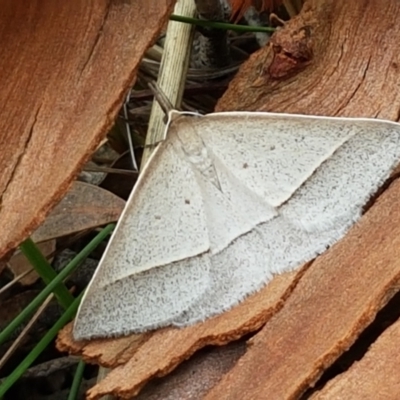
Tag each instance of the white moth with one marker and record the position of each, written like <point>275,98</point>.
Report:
<point>226,201</point>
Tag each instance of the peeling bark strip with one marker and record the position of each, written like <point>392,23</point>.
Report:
<point>334,301</point>
<point>375,377</point>
<point>66,67</point>
<point>352,72</point>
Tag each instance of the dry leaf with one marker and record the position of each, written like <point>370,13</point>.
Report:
<point>67,67</point>
<point>121,185</point>
<point>239,7</point>
<point>11,307</point>
<point>84,206</point>
<point>196,376</point>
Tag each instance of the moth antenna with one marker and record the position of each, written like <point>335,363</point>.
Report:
<point>161,98</point>
<point>128,130</point>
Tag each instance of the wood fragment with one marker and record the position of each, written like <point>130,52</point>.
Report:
<point>344,77</point>
<point>66,73</point>
<point>334,301</point>
<point>375,377</point>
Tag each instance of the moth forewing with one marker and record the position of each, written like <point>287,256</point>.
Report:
<point>226,201</point>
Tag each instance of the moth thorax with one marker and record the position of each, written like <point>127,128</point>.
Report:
<point>198,154</point>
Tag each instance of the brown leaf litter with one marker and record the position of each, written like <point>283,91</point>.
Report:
<point>195,376</point>
<point>85,206</point>
<point>239,7</point>
<point>313,316</point>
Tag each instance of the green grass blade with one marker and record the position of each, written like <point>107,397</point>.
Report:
<point>35,303</point>
<point>38,349</point>
<point>221,25</point>
<point>45,271</point>
<point>76,383</point>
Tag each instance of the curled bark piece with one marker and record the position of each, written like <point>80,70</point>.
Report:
<point>66,72</point>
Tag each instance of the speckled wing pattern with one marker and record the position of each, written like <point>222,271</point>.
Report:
<point>226,201</point>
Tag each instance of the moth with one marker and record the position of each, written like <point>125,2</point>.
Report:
<point>226,201</point>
